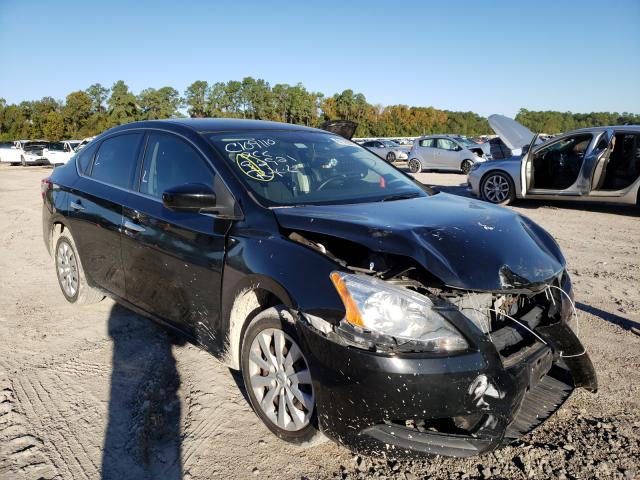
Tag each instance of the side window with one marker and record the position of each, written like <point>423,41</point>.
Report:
<point>170,162</point>
<point>116,159</point>
<point>427,142</point>
<point>446,144</point>
<point>85,157</point>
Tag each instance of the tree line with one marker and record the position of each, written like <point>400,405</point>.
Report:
<point>88,112</point>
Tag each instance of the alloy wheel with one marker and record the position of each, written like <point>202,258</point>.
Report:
<point>391,157</point>
<point>466,166</point>
<point>496,188</point>
<point>280,379</point>
<point>414,166</point>
<point>67,268</point>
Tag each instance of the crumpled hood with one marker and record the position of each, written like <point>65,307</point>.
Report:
<point>466,243</point>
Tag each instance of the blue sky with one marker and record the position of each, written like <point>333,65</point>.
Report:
<point>487,57</point>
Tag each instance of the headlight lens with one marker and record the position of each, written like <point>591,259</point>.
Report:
<point>405,315</point>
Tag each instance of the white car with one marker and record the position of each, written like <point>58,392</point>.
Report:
<point>59,153</point>
<point>25,152</point>
<point>83,143</point>
<point>444,152</point>
<point>386,149</point>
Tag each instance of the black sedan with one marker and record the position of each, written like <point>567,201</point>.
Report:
<point>356,301</point>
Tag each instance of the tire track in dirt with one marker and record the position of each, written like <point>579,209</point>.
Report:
<point>21,452</point>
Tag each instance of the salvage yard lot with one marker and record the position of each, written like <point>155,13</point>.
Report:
<point>100,391</point>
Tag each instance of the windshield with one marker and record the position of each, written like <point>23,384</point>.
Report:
<point>466,142</point>
<point>288,168</point>
<point>57,146</point>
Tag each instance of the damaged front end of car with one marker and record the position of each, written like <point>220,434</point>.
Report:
<point>418,366</point>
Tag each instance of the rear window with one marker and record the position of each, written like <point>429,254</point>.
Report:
<point>116,159</point>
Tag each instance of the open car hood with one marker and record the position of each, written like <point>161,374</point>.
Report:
<point>465,243</point>
<point>344,128</point>
<point>512,133</point>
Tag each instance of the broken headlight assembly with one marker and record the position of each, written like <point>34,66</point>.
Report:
<point>387,317</point>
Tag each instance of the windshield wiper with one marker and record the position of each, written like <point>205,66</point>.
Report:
<point>400,196</point>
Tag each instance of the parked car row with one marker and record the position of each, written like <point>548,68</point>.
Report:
<point>40,152</point>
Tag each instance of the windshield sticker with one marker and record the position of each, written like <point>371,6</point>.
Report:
<point>255,168</point>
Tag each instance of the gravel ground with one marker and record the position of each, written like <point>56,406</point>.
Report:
<point>99,392</point>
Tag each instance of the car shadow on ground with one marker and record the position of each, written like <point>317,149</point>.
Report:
<point>609,317</point>
<point>142,438</point>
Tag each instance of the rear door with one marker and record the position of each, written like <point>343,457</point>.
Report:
<point>427,151</point>
<point>597,162</point>
<point>173,260</point>
<point>95,207</point>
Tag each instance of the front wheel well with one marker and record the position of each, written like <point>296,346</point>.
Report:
<point>248,303</point>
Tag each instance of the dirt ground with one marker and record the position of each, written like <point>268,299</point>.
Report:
<point>99,392</point>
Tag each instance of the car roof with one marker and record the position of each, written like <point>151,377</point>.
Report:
<point>213,125</point>
<point>635,128</point>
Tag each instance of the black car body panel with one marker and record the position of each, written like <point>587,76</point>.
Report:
<point>466,243</point>
<point>192,270</point>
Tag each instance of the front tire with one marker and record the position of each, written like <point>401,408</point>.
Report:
<point>23,162</point>
<point>466,165</point>
<point>278,379</point>
<point>70,273</point>
<point>497,187</point>
<point>414,165</point>
<point>391,157</point>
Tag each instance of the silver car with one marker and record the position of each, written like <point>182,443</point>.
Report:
<point>591,164</point>
<point>386,149</point>
<point>444,152</point>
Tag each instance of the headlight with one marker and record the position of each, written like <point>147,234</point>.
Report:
<point>385,309</point>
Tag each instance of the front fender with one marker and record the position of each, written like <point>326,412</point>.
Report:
<point>296,275</point>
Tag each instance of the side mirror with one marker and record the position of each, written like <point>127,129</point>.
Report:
<point>192,197</point>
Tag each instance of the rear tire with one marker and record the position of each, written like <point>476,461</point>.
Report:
<point>70,273</point>
<point>278,377</point>
<point>497,187</point>
<point>414,165</point>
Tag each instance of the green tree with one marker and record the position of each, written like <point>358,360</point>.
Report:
<point>77,111</point>
<point>53,126</point>
<point>156,104</point>
<point>195,97</point>
<point>98,95</point>
<point>123,107</point>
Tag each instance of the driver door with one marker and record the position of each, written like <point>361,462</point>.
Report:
<point>526,167</point>
<point>173,260</point>
<point>447,156</point>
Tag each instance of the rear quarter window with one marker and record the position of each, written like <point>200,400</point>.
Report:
<point>116,158</point>
<point>85,156</point>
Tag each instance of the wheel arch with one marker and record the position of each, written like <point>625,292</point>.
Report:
<point>253,294</point>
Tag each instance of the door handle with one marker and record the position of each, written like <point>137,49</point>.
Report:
<point>76,206</point>
<point>133,227</point>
